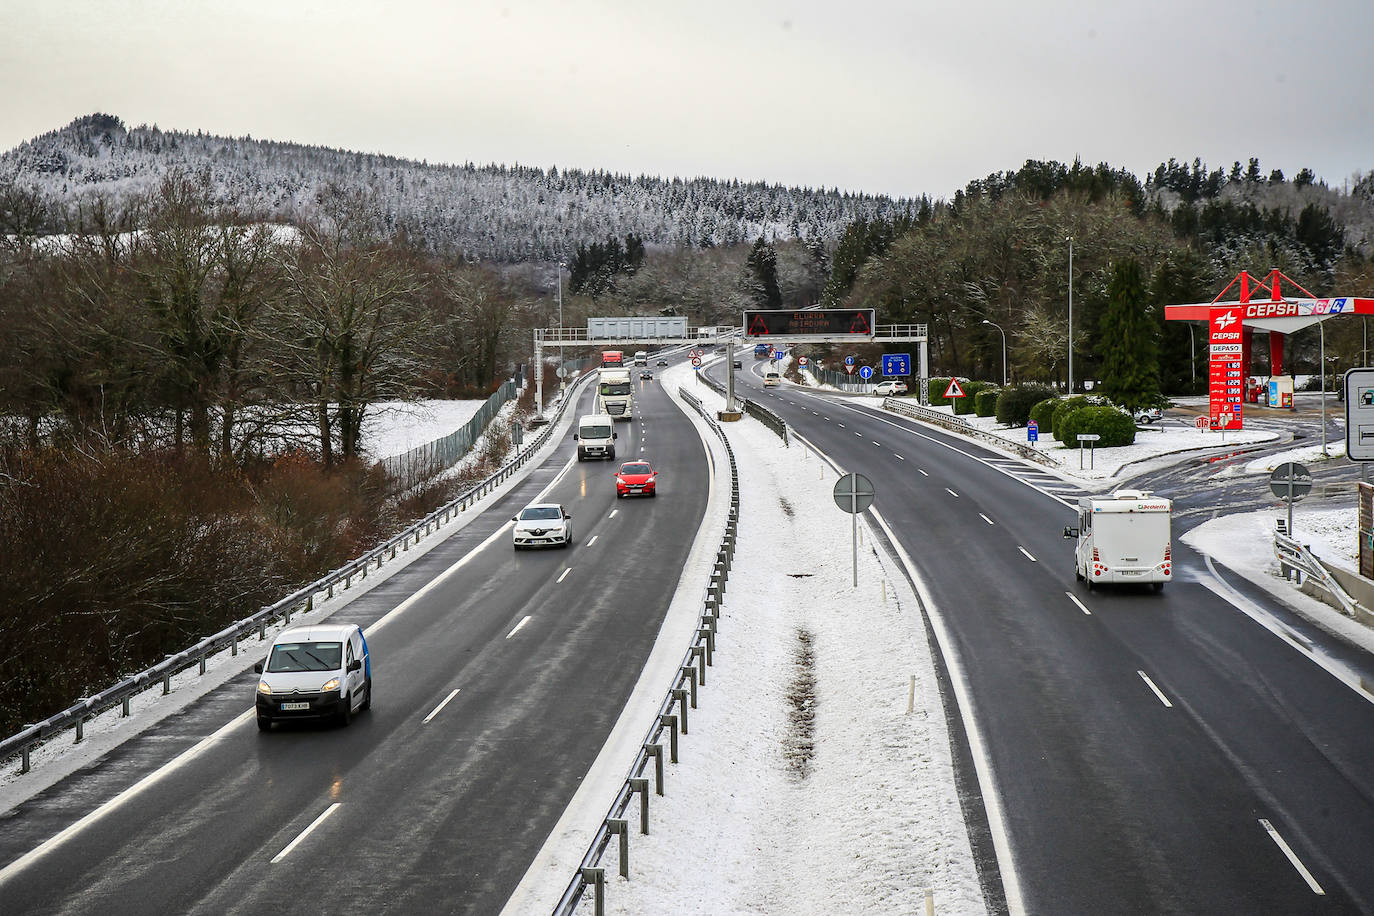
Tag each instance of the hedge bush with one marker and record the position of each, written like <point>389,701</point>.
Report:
<point>964,406</point>
<point>1062,408</point>
<point>1043,413</point>
<point>1014,403</point>
<point>985,402</point>
<point>1115,426</point>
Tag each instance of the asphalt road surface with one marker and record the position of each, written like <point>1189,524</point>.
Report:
<point>497,678</point>
<point>1150,753</point>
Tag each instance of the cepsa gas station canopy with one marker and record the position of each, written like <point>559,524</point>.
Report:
<point>1233,322</point>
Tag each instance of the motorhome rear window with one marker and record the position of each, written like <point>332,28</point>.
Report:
<point>305,656</point>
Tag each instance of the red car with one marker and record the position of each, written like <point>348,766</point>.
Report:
<point>635,478</point>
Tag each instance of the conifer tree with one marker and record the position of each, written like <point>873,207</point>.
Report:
<point>1130,350</point>
<point>762,267</point>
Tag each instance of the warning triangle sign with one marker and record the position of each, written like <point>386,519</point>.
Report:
<point>757,326</point>
<point>860,324</point>
<point>954,391</point>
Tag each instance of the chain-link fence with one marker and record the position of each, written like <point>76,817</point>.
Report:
<point>424,461</point>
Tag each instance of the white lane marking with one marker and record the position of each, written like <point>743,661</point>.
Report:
<point>1159,693</point>
<point>305,833</point>
<point>524,620</point>
<point>565,574</point>
<point>1027,553</point>
<point>985,518</point>
<point>1292,857</point>
<point>899,457</point>
<point>860,435</point>
<point>923,472</point>
<point>613,512</point>
<point>1074,599</point>
<point>879,444</point>
<point>951,492</point>
<point>438,709</point>
<point>841,426</point>
<point>592,541</point>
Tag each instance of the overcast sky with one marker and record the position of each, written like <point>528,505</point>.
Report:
<point>901,97</point>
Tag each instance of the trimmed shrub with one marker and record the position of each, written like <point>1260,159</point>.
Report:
<point>985,402</point>
<point>1014,403</point>
<point>1116,427</point>
<point>964,406</point>
<point>1043,413</point>
<point>936,387</point>
<point>1062,408</point>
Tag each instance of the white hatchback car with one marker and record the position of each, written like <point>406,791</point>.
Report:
<point>543,525</point>
<point>315,672</point>
<point>890,387</point>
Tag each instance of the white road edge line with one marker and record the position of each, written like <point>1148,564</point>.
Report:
<point>565,574</point>
<point>985,518</point>
<point>440,708</point>
<point>1081,606</point>
<point>592,541</point>
<point>1159,693</point>
<point>1292,857</point>
<point>524,620</point>
<point>1027,553</point>
<point>613,512</point>
<point>305,833</point>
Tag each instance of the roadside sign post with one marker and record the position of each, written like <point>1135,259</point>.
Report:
<point>865,372</point>
<point>1032,431</point>
<point>1359,415</point>
<point>1290,481</point>
<point>854,493</point>
<point>896,364</point>
<point>1089,438</point>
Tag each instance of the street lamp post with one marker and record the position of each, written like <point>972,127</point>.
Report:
<point>1192,354</point>
<point>1069,239</point>
<point>1004,349</point>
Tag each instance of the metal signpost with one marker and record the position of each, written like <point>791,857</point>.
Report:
<point>849,364</point>
<point>1359,416</point>
<point>1088,438</point>
<point>854,493</point>
<point>1290,481</point>
<point>1032,431</point>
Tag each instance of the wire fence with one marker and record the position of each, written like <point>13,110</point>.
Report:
<point>424,461</point>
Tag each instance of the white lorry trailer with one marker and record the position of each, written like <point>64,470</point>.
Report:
<point>615,393</point>
<point>1123,537</point>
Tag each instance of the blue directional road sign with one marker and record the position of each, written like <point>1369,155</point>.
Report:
<point>1032,431</point>
<point>849,360</point>
<point>865,372</point>
<point>896,364</point>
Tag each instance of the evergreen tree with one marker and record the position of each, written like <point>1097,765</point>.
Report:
<point>1129,348</point>
<point>762,268</point>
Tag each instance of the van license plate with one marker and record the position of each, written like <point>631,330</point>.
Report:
<point>291,707</point>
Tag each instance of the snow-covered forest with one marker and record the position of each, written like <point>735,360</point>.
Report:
<point>489,213</point>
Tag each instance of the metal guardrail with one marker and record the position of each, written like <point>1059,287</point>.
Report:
<point>753,408</point>
<point>300,601</point>
<point>1296,560</point>
<point>964,428</point>
<point>681,695</point>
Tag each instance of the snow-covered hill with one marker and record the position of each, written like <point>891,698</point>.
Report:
<point>492,212</point>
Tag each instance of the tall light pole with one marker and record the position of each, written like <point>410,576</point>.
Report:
<point>1004,349</point>
<point>1069,239</point>
<point>559,267</point>
<point>1192,353</point>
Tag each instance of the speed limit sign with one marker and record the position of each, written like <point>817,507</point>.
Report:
<point>696,362</point>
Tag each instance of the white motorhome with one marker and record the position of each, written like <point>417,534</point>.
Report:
<point>595,436</point>
<point>772,378</point>
<point>1123,537</point>
<point>614,393</point>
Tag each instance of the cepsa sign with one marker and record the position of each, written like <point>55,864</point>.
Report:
<point>845,323</point>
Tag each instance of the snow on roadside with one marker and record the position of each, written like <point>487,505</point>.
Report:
<point>760,817</point>
<point>395,427</point>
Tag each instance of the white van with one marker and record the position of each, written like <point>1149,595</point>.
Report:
<point>320,671</point>
<point>771,379</point>
<point>1124,537</point>
<point>642,358</point>
<point>595,436</point>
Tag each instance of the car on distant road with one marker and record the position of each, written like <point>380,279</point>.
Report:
<point>663,362</point>
<point>636,478</point>
<point>890,387</point>
<point>315,672</point>
<point>543,525</point>
<point>1148,414</point>
<point>645,373</point>
<point>739,365</point>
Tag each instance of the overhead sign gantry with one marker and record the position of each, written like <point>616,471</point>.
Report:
<point>810,325</point>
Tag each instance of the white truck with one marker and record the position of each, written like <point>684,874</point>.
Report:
<point>642,358</point>
<point>615,393</point>
<point>595,437</point>
<point>1123,537</point>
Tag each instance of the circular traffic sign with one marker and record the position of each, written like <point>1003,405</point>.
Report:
<point>849,360</point>
<point>865,372</point>
<point>696,362</point>
<point>1290,480</point>
<point>853,493</point>
<point>696,353</point>
<point>801,360</point>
